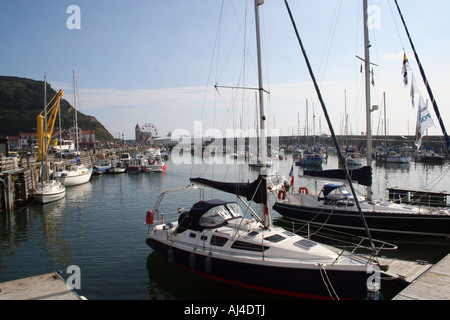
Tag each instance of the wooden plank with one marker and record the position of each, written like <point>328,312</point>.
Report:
<point>433,285</point>
<point>409,270</point>
<point>48,286</point>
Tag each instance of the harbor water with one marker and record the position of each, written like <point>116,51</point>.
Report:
<point>100,228</point>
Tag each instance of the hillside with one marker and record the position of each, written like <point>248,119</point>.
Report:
<point>21,101</point>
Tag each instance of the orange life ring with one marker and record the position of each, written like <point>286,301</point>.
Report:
<point>282,193</point>
<point>149,217</point>
<point>303,190</point>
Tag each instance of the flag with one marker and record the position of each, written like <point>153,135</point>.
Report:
<point>413,90</point>
<point>405,69</point>
<point>424,121</point>
<point>291,174</point>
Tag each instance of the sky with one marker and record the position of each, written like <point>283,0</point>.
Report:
<point>158,61</point>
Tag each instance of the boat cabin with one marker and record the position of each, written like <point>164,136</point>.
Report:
<point>208,214</point>
<point>335,194</point>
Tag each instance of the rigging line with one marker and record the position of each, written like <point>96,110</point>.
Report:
<point>395,24</point>
<point>341,157</point>
<point>331,34</point>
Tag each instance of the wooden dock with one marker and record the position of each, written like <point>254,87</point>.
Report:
<point>432,285</point>
<point>48,286</point>
<point>408,270</point>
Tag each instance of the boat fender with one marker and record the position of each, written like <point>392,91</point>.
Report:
<point>150,216</point>
<point>192,260</point>
<point>171,256</point>
<point>303,190</point>
<point>208,264</point>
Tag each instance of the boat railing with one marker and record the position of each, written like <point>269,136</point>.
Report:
<point>349,244</point>
<point>159,215</point>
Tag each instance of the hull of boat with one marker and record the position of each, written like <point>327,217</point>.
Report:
<point>305,283</point>
<point>153,168</point>
<point>379,222</point>
<point>116,170</point>
<point>75,179</point>
<point>49,194</point>
<point>100,169</point>
<point>398,159</point>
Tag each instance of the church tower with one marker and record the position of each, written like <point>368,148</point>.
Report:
<point>137,133</point>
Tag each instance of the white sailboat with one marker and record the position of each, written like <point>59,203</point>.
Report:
<point>214,239</point>
<point>47,190</point>
<point>73,173</point>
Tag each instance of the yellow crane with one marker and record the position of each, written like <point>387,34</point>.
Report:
<point>50,124</point>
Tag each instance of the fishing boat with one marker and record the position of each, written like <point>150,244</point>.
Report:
<point>101,165</point>
<point>154,162</point>
<point>48,190</point>
<point>335,207</point>
<point>117,166</point>
<point>215,239</point>
<point>136,164</point>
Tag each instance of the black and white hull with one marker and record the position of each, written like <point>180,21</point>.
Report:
<point>381,217</point>
<point>240,252</point>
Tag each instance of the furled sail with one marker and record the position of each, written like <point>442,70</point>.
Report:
<point>254,191</point>
<point>362,175</point>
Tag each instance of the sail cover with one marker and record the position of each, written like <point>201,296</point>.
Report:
<point>254,191</point>
<point>362,175</point>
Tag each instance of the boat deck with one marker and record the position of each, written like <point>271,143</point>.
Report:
<point>48,286</point>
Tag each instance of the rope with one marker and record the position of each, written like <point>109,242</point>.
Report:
<point>325,280</point>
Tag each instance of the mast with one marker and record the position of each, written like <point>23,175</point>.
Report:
<point>267,221</point>
<point>330,126</point>
<point>367,75</point>
<point>75,103</point>
<point>44,136</point>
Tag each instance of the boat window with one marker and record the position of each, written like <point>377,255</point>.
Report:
<point>218,241</point>
<point>253,234</point>
<point>235,210</point>
<point>275,238</point>
<point>305,244</point>
<point>241,245</point>
<point>288,234</point>
<point>215,216</point>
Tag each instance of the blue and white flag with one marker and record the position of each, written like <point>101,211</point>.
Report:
<point>424,121</point>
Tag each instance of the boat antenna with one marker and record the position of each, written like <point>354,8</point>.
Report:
<point>330,126</point>
<point>422,72</point>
